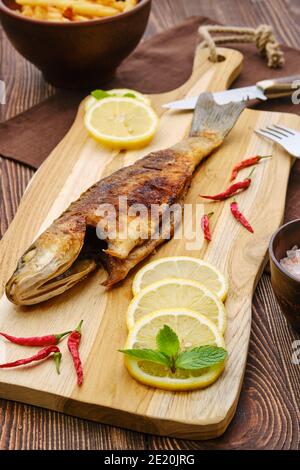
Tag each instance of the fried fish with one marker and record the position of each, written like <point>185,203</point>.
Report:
<point>82,238</point>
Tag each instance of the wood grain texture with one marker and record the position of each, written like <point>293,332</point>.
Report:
<point>268,413</point>
<point>74,165</point>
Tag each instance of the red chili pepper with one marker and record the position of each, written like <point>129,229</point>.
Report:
<point>47,340</point>
<point>40,355</point>
<point>240,217</point>
<point>246,163</point>
<point>232,190</point>
<point>205,226</point>
<point>73,345</point>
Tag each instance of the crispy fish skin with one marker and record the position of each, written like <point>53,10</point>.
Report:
<point>118,269</point>
<point>69,249</point>
<point>156,179</point>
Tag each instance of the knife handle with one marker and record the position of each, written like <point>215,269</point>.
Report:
<point>284,86</point>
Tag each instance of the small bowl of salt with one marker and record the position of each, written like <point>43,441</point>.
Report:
<point>284,250</point>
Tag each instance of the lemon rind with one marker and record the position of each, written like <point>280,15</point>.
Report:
<point>222,294</point>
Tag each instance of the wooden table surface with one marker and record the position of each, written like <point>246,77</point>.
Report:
<point>268,414</point>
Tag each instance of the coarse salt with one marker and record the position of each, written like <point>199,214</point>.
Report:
<point>292,261</point>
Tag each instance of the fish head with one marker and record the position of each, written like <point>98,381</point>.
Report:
<point>51,265</point>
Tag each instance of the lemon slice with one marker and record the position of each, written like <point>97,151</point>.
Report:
<point>90,101</point>
<point>121,123</point>
<point>192,330</point>
<point>183,267</point>
<point>177,293</point>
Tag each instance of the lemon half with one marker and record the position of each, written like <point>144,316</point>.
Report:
<point>121,123</point>
<point>192,330</point>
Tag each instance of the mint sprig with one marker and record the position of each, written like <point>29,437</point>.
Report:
<point>100,94</point>
<point>168,344</point>
<point>129,95</point>
<point>168,353</point>
<point>147,355</point>
<point>201,357</point>
<point>167,341</point>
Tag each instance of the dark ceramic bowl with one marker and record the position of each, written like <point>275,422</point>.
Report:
<point>286,286</point>
<point>76,54</point>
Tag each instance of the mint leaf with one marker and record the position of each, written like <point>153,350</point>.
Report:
<point>167,341</point>
<point>201,357</point>
<point>147,355</point>
<point>129,95</point>
<point>100,94</point>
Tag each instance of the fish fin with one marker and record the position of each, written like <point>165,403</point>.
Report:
<point>210,116</point>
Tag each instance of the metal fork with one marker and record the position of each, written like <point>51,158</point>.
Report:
<point>288,138</point>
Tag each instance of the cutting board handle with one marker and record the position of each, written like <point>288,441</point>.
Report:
<point>206,75</point>
<point>225,71</point>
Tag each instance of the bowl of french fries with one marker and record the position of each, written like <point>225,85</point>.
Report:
<point>75,43</point>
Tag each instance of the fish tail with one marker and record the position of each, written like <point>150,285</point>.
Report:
<point>210,116</point>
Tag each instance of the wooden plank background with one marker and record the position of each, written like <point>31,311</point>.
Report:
<point>269,409</point>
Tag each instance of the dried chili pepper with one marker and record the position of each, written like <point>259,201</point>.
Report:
<point>73,345</point>
<point>240,217</point>
<point>205,226</point>
<point>232,190</point>
<point>41,341</point>
<point>246,163</point>
<point>39,356</point>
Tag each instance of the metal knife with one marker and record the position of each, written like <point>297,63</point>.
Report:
<point>263,90</point>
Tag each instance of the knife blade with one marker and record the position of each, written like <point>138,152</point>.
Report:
<point>262,90</point>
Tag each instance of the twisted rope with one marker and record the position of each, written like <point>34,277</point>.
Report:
<point>263,37</point>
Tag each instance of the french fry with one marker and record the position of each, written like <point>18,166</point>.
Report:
<point>54,15</point>
<point>80,18</point>
<point>27,11</point>
<point>79,7</point>
<point>117,4</point>
<point>129,4</point>
<point>82,10</point>
<point>40,13</point>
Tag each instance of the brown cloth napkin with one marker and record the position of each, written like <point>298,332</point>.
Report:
<point>157,65</point>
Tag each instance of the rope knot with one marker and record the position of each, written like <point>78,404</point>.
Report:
<point>263,37</point>
<point>268,46</point>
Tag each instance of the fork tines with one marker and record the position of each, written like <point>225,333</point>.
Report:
<point>288,138</point>
<point>277,132</point>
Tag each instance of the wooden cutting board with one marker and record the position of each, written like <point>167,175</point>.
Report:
<point>109,394</point>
